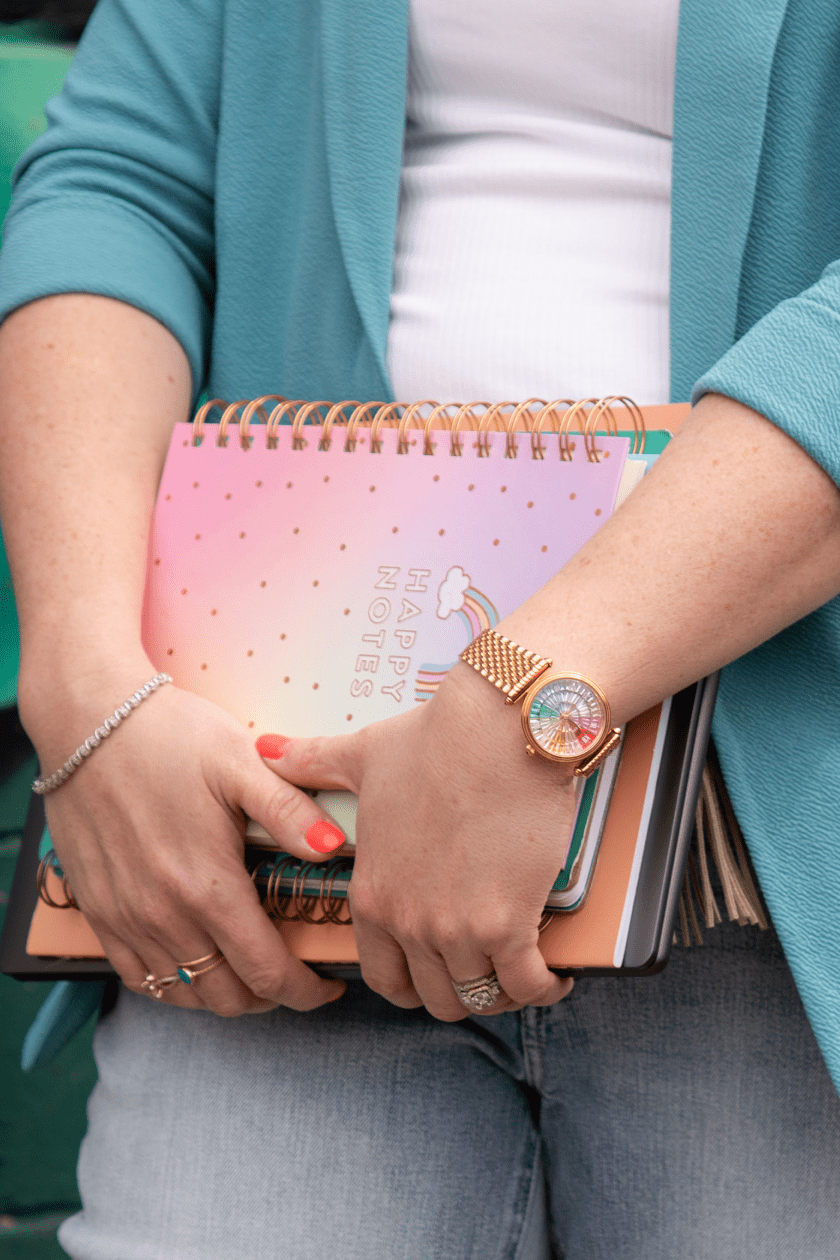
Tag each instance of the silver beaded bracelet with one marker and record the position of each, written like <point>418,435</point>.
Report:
<point>43,785</point>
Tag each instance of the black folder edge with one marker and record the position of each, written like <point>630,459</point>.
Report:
<point>651,928</point>
<point>14,960</point>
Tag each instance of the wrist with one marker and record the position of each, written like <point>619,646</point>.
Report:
<point>492,727</point>
<point>64,697</point>
<point>564,714</point>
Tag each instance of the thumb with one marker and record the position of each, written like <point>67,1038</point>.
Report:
<point>292,820</point>
<point>335,762</point>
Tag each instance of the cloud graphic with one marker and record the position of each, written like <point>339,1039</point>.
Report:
<point>451,591</point>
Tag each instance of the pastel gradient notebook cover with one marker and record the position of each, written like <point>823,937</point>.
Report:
<point>313,591</point>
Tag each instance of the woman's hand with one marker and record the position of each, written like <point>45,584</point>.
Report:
<point>149,832</point>
<point>460,836</point>
<point>150,828</point>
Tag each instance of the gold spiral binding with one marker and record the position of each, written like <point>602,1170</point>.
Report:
<point>334,416</point>
<point>491,417</point>
<point>537,447</point>
<point>295,904</point>
<point>550,413</point>
<point>200,417</point>
<point>599,411</point>
<point>436,415</point>
<point>636,417</point>
<point>256,405</point>
<point>411,413</point>
<point>511,447</point>
<point>276,418</point>
<point>575,414</point>
<point>273,906</point>
<point>456,446</point>
<point>301,417</point>
<point>534,416</point>
<point>385,415</point>
<point>229,414</point>
<point>324,906</point>
<point>49,862</point>
<point>519,413</point>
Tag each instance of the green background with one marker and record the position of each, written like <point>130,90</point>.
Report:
<point>42,1113</point>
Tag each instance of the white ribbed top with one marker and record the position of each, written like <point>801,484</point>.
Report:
<point>532,251</point>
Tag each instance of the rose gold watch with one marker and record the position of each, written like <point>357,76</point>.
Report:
<point>565,717</point>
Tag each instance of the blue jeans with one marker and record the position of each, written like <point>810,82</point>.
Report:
<point>682,1117</point>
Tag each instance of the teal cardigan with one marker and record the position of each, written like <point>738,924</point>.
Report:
<point>233,169</point>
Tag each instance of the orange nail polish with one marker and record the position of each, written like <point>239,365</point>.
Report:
<point>323,837</point>
<point>271,747</point>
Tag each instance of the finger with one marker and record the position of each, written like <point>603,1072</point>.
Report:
<point>435,978</point>
<point>383,964</point>
<point>132,950</point>
<point>316,763</point>
<point>258,972</point>
<point>133,970</point>
<point>210,980</point>
<point>220,908</point>
<point>215,986</point>
<point>295,822</point>
<point>525,977</point>
<point>222,987</point>
<point>150,942</point>
<point>256,953</point>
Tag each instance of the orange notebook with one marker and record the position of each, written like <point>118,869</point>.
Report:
<point>625,923</point>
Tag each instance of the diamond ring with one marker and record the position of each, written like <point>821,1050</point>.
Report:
<point>480,994</point>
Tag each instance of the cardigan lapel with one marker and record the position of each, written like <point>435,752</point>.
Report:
<point>724,60</point>
<point>365,53</point>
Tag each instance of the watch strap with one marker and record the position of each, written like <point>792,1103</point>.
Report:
<point>503,663</point>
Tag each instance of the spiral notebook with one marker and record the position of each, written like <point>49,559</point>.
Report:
<point>313,578</point>
<point>314,567</point>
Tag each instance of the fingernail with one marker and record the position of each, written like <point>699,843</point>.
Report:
<point>272,747</point>
<point>323,837</point>
<point>338,995</point>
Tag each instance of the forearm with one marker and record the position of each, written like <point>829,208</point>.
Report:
<point>732,536</point>
<point>89,391</point>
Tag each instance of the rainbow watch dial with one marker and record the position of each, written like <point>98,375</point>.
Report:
<point>564,717</point>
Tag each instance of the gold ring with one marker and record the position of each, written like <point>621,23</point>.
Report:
<point>190,971</point>
<point>155,985</point>
<point>480,994</point>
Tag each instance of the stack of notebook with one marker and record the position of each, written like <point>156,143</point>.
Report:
<point>316,567</point>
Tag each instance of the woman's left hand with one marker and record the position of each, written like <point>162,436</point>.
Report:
<point>460,835</point>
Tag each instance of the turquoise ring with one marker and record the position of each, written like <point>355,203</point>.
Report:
<point>190,971</point>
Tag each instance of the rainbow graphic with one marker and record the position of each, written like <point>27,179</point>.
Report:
<point>456,595</point>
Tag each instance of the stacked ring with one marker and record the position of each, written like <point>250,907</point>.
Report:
<point>155,985</point>
<point>481,993</point>
<point>187,972</point>
<point>190,971</point>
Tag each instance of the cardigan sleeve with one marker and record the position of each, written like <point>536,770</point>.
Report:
<point>787,367</point>
<point>117,197</point>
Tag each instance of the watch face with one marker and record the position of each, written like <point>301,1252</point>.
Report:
<point>565,717</point>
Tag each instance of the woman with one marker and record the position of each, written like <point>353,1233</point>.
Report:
<point>220,187</point>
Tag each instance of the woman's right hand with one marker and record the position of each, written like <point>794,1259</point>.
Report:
<point>150,831</point>
<point>150,828</point>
